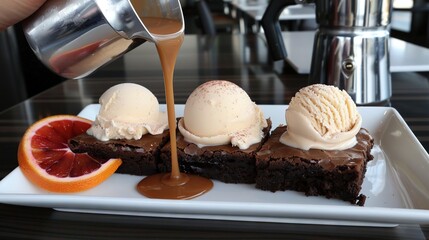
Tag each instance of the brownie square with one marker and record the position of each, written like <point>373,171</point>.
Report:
<point>139,157</point>
<point>334,174</point>
<point>224,163</point>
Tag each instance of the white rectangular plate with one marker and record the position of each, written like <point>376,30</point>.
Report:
<point>395,186</point>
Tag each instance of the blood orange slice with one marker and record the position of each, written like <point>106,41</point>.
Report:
<point>46,160</point>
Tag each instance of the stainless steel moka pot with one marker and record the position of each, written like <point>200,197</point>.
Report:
<point>351,45</point>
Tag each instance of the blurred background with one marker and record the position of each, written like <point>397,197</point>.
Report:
<point>18,64</point>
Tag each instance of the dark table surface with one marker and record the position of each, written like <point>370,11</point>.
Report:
<point>238,58</point>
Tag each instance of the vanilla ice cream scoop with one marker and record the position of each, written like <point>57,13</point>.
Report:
<point>321,117</point>
<point>220,112</point>
<point>128,111</point>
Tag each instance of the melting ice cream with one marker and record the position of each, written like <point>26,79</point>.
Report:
<point>220,112</point>
<point>321,117</point>
<point>128,111</point>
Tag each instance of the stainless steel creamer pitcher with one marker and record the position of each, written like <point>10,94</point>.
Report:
<point>351,45</point>
<point>74,38</point>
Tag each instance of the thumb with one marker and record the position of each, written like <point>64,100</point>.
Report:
<point>13,11</point>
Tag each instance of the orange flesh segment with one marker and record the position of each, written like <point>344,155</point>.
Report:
<point>46,160</point>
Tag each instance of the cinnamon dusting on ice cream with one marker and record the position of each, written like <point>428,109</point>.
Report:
<point>219,112</point>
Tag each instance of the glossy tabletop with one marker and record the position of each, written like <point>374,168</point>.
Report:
<point>242,59</point>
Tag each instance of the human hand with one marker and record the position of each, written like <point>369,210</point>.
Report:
<point>13,11</point>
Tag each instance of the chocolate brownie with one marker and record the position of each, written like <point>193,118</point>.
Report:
<point>225,163</point>
<point>334,174</point>
<point>139,157</point>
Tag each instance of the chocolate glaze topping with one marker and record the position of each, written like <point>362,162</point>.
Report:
<point>328,159</point>
<point>147,143</point>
